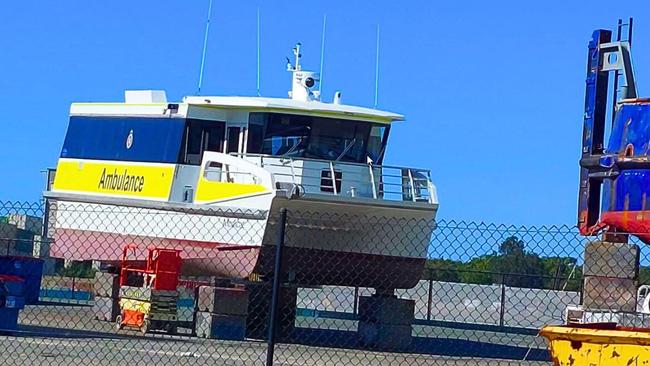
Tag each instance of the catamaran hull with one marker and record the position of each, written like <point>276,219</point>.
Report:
<point>326,243</point>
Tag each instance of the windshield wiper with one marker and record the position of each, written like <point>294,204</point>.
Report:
<point>347,148</point>
<point>294,147</point>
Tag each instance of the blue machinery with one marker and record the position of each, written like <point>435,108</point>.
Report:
<point>614,179</point>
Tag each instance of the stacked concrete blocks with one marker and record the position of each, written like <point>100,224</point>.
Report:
<point>221,312</point>
<point>611,273</point>
<point>107,292</point>
<point>385,321</point>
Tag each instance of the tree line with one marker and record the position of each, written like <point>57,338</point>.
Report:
<point>514,266</point>
<point>511,265</point>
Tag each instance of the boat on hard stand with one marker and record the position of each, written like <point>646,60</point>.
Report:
<point>209,175</point>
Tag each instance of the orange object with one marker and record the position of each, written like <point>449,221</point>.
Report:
<point>132,318</point>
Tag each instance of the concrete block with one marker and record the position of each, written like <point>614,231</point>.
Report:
<point>607,293</point>
<point>107,285</point>
<point>15,241</point>
<point>384,336</point>
<point>41,247</point>
<point>223,300</point>
<point>41,250</point>
<point>50,265</point>
<point>573,315</point>
<point>606,259</point>
<point>33,224</point>
<point>106,308</point>
<point>220,326</point>
<point>386,310</point>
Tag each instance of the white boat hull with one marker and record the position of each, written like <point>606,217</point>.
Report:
<point>326,242</point>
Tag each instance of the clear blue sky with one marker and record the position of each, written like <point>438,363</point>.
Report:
<point>493,91</point>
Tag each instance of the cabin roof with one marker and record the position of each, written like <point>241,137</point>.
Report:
<point>252,104</point>
<point>294,106</point>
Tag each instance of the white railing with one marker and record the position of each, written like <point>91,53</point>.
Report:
<point>350,179</point>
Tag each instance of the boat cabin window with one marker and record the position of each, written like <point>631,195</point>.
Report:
<point>316,137</point>
<point>121,138</point>
<point>233,139</point>
<point>201,136</point>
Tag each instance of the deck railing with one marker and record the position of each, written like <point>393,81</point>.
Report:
<point>350,179</point>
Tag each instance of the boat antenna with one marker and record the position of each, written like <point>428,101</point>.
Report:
<point>322,56</point>
<point>296,53</point>
<point>377,69</point>
<point>205,47</point>
<point>258,52</point>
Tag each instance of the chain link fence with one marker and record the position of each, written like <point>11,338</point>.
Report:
<point>286,287</point>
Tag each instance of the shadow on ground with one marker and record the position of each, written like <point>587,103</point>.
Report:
<point>420,345</point>
<point>54,332</point>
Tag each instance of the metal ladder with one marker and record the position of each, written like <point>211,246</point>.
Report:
<point>620,37</point>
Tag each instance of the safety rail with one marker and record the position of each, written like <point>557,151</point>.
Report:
<point>349,179</point>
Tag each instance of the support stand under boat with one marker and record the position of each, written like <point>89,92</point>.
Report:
<point>611,275</point>
<point>385,321</point>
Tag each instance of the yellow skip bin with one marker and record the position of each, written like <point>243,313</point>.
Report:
<point>573,346</point>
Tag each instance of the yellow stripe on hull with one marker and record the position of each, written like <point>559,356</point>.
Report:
<point>214,191</point>
<point>115,179</point>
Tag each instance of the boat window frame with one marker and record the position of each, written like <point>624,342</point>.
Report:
<point>240,139</point>
<point>206,127</point>
<point>260,120</point>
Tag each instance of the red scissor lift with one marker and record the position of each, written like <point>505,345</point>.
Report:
<point>148,294</point>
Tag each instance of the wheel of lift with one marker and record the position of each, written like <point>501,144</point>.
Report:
<point>146,326</point>
<point>118,322</point>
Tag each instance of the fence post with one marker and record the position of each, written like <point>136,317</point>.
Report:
<point>73,286</point>
<point>430,299</point>
<point>276,287</point>
<point>502,310</point>
<point>196,309</point>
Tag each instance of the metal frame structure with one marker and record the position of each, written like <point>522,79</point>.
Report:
<point>604,56</point>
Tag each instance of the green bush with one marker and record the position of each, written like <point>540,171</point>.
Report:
<point>78,270</point>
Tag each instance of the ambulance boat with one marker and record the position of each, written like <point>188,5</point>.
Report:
<point>210,174</point>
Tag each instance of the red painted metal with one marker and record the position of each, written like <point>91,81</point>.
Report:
<point>165,264</point>
<point>636,223</point>
<point>161,271</point>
